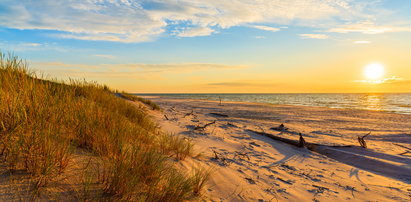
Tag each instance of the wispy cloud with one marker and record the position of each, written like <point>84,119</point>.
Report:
<point>105,56</point>
<point>260,37</point>
<point>173,67</point>
<point>248,83</point>
<point>64,65</point>
<point>31,44</point>
<point>266,28</point>
<point>195,31</point>
<point>139,21</point>
<point>128,70</point>
<point>362,42</point>
<point>229,84</point>
<point>314,36</point>
<point>390,80</point>
<point>368,28</point>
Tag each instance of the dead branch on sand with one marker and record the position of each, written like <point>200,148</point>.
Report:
<point>203,127</point>
<point>250,180</point>
<point>165,116</point>
<point>218,156</point>
<point>261,128</point>
<point>280,128</point>
<point>362,141</point>
<point>188,114</point>
<point>242,154</point>
<point>352,189</point>
<point>301,142</point>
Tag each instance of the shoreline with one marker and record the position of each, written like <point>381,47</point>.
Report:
<point>279,104</point>
<point>255,164</point>
<point>273,104</point>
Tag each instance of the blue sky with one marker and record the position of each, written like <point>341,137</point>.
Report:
<point>213,46</point>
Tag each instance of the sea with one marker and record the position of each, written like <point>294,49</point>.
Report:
<point>390,102</point>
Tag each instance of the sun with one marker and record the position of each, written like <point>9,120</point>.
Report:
<point>374,71</point>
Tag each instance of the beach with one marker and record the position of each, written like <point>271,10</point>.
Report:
<point>248,166</point>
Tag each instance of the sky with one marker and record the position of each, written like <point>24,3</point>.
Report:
<point>214,46</point>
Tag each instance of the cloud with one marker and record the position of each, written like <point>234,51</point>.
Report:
<point>266,28</point>
<point>64,65</point>
<point>314,36</point>
<point>139,21</point>
<point>362,42</point>
<point>128,70</point>
<point>368,28</point>
<point>105,56</point>
<point>173,67</point>
<point>196,31</point>
<point>105,20</point>
<point>229,84</point>
<point>249,83</point>
<point>260,37</point>
<point>31,44</point>
<point>390,80</point>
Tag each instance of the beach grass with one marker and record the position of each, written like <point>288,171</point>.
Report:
<point>131,97</point>
<point>43,122</point>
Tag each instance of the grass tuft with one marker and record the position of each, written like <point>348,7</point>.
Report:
<point>175,146</point>
<point>135,98</point>
<point>199,178</point>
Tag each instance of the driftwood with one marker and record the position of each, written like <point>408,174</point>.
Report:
<point>215,155</point>
<point>218,114</point>
<point>298,143</point>
<point>189,114</point>
<point>301,142</point>
<point>165,116</point>
<point>362,141</point>
<point>218,156</point>
<point>241,154</point>
<point>250,180</point>
<point>203,127</point>
<point>280,128</point>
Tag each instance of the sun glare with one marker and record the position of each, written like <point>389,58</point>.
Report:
<point>374,71</point>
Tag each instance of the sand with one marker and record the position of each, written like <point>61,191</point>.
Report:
<point>250,167</point>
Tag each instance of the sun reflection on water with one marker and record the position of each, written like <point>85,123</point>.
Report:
<point>373,102</point>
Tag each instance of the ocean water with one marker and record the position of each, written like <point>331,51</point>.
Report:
<point>391,102</point>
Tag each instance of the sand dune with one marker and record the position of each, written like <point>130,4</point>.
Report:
<point>251,167</point>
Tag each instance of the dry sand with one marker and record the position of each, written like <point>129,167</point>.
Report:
<point>251,167</point>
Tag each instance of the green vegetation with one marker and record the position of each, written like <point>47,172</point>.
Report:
<point>43,123</point>
<point>131,97</point>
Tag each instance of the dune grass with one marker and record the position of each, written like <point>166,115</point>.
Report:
<point>131,97</point>
<point>42,122</point>
<point>199,178</point>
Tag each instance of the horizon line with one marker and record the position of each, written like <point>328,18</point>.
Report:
<point>283,93</point>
